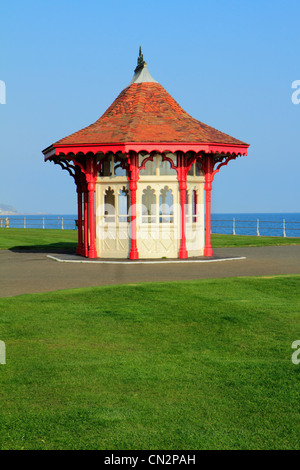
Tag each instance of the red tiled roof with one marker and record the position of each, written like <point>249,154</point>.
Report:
<point>145,112</point>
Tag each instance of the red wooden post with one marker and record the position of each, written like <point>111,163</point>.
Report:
<point>134,254</point>
<point>90,172</point>
<point>85,250</point>
<point>92,252</point>
<point>133,179</point>
<point>79,202</point>
<point>182,250</point>
<point>208,251</point>
<point>181,176</point>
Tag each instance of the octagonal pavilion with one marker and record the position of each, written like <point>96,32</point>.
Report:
<point>143,173</point>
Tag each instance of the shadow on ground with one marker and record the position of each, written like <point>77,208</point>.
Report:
<point>47,248</point>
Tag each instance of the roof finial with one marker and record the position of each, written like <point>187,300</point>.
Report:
<point>140,62</point>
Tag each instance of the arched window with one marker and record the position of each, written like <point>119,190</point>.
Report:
<point>148,205</point>
<point>196,169</point>
<point>111,165</point>
<point>118,166</point>
<point>109,205</point>
<point>124,205</point>
<point>150,166</point>
<point>166,206</point>
<point>191,170</point>
<point>165,166</point>
<point>106,166</point>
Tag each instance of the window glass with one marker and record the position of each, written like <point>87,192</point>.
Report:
<point>148,205</point>
<point>124,204</point>
<point>106,166</point>
<point>198,168</point>
<point>166,205</point>
<point>165,166</point>
<point>142,157</point>
<point>191,170</point>
<point>109,205</point>
<point>150,167</point>
<point>118,170</point>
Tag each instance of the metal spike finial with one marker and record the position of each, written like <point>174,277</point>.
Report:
<point>140,62</point>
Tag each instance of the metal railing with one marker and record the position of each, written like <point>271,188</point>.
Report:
<point>232,226</point>
<point>257,226</point>
<point>60,223</point>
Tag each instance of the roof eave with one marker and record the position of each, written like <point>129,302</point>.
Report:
<point>125,147</point>
<point>49,152</point>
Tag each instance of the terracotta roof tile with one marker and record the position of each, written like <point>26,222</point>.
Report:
<point>145,112</point>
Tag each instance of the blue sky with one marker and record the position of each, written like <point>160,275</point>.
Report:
<point>229,63</point>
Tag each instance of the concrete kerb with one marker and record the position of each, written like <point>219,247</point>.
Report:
<point>134,262</point>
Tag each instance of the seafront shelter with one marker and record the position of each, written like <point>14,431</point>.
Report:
<point>144,172</point>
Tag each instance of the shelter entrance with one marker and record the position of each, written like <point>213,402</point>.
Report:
<point>157,219</point>
<point>113,219</point>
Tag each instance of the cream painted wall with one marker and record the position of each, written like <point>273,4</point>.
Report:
<point>155,240</point>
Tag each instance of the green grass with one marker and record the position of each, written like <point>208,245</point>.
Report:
<point>65,240</point>
<point>222,241</point>
<point>186,365</point>
<point>38,239</point>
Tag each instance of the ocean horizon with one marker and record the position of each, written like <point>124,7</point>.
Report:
<point>265,223</point>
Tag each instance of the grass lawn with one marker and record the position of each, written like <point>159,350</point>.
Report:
<point>65,240</point>
<point>222,241</point>
<point>184,365</point>
<point>38,239</point>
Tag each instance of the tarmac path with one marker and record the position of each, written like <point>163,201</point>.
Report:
<point>29,272</point>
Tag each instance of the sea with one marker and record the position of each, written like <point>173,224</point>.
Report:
<point>262,224</point>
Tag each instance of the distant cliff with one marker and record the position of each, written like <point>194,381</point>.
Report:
<point>7,210</point>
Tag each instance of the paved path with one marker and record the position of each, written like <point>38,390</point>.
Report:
<point>22,273</point>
